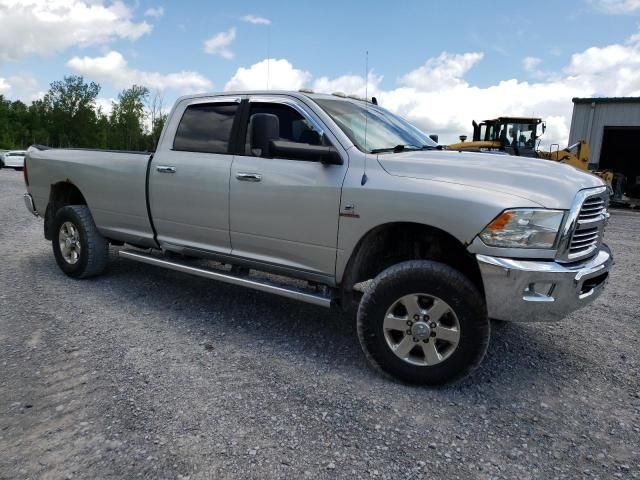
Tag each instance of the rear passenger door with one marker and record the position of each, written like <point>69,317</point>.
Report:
<point>189,177</point>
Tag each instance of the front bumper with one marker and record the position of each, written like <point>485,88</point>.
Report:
<point>530,290</point>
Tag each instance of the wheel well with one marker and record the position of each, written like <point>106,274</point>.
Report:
<point>61,195</point>
<point>393,243</point>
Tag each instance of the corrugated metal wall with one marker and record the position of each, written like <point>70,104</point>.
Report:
<point>616,114</point>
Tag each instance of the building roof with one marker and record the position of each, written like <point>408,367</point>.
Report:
<point>607,100</point>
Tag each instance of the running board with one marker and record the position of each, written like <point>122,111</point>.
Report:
<point>262,285</point>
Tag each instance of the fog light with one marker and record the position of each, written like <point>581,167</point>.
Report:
<point>539,292</point>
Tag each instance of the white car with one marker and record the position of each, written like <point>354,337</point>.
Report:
<point>14,159</point>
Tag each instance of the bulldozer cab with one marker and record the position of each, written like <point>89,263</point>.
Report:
<point>516,135</point>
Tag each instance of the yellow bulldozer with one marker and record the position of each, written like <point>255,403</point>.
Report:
<point>521,136</point>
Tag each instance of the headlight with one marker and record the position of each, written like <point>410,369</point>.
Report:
<point>526,228</point>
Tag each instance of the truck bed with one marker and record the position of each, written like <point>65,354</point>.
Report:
<point>113,184</point>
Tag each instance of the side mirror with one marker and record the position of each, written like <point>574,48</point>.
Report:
<point>305,151</point>
<point>434,137</point>
<point>265,127</point>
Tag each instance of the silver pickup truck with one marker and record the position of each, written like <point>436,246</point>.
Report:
<point>351,204</point>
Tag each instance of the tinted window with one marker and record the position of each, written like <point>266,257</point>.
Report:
<point>205,128</point>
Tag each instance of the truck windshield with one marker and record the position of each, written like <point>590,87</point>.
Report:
<point>384,130</point>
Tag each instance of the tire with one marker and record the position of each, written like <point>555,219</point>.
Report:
<point>430,289</point>
<point>76,223</point>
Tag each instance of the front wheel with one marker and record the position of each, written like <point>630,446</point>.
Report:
<point>80,250</point>
<point>423,322</point>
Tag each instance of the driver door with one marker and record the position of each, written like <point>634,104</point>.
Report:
<point>285,211</point>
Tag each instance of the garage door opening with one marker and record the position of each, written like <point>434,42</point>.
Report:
<point>621,153</point>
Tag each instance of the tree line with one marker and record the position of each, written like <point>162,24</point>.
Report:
<point>68,116</point>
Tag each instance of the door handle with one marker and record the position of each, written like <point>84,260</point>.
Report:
<point>248,177</point>
<point>165,169</point>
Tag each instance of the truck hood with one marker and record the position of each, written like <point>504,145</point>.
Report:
<point>544,182</point>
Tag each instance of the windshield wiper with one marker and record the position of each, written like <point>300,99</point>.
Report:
<point>431,147</point>
<point>396,149</point>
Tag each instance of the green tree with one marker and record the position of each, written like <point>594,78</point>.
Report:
<point>68,116</point>
<point>71,110</point>
<point>5,125</point>
<point>128,117</point>
<point>38,121</point>
<point>15,124</point>
<point>156,118</point>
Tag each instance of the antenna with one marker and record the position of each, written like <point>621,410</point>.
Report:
<point>268,55</point>
<point>366,116</point>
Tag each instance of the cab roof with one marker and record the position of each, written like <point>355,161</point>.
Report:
<point>302,93</point>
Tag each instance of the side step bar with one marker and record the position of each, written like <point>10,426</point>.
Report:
<point>262,285</point>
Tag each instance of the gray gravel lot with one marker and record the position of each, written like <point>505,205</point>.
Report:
<point>150,373</point>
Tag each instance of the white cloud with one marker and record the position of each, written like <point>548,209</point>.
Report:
<point>105,105</point>
<point>612,70</point>
<point>616,7</point>
<point>531,64</point>
<point>439,99</point>
<point>446,69</point>
<point>22,86</point>
<point>47,26</point>
<point>274,74</point>
<point>219,44</point>
<point>256,20</point>
<point>114,69</point>
<point>595,59</point>
<point>449,110</point>
<point>349,84</point>
<point>5,87</point>
<point>154,12</point>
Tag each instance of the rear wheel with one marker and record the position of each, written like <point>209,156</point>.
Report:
<point>423,322</point>
<point>78,247</point>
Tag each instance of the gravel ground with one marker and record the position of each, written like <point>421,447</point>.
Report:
<point>150,373</point>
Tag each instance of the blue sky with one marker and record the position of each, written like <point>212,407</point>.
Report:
<point>329,39</point>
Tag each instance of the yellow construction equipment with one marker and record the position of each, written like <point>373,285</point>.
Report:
<point>521,136</point>
<point>514,135</point>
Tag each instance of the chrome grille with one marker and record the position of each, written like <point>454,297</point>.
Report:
<point>584,239</point>
<point>592,208</point>
<point>588,226</point>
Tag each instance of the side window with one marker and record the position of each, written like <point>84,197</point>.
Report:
<point>293,126</point>
<point>205,128</point>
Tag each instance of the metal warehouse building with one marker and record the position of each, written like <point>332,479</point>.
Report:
<point>611,127</point>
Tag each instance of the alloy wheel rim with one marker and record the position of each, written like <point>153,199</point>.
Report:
<point>421,329</point>
<point>69,242</point>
